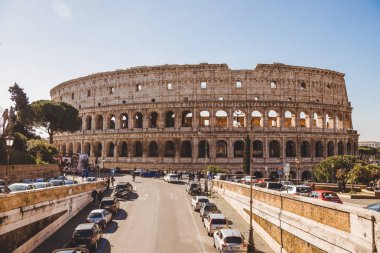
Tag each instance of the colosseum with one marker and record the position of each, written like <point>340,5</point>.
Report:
<point>185,117</point>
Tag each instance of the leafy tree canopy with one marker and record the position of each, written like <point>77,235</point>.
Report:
<point>334,167</point>
<point>363,150</point>
<point>215,169</point>
<point>42,151</point>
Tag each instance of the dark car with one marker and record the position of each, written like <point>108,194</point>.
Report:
<point>56,182</point>
<point>71,250</point>
<point>124,186</point>
<point>271,185</point>
<point>87,235</point>
<point>150,174</point>
<point>193,188</point>
<point>111,204</point>
<point>40,180</point>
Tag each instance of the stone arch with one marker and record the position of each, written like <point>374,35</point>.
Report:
<point>187,119</point>
<point>98,150</point>
<point>203,149</point>
<point>240,118</point>
<point>170,119</point>
<point>274,175</point>
<point>306,175</point>
<point>290,149</point>
<point>204,118</point>
<point>169,149</point>
<point>273,119</point>
<point>186,150</point>
<point>289,119</point>
<point>99,122</point>
<point>221,149</point>
<point>87,148</point>
<point>78,148</point>
<point>153,118</point>
<point>63,149</point>
<point>329,121</point>
<point>330,148</point>
<point>71,149</point>
<point>257,119</point>
<point>257,149</point>
<point>292,174</point>
<point>124,121</point>
<point>153,149</point>
<point>112,122</point>
<point>340,148</point>
<point>339,120</point>
<point>305,149</point>
<point>258,174</point>
<point>349,148</point>
<point>123,149</point>
<point>88,123</point>
<point>221,119</point>
<point>274,149</point>
<point>111,149</point>
<point>238,149</point>
<point>138,120</point>
<point>138,149</point>
<point>318,149</point>
<point>304,120</point>
<point>317,120</point>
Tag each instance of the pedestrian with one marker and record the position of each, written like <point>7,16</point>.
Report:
<point>94,195</point>
<point>108,182</point>
<point>112,180</point>
<point>343,186</point>
<point>313,186</point>
<point>340,186</point>
<point>100,196</point>
<point>82,176</point>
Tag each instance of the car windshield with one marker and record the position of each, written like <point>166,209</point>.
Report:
<point>203,200</point>
<point>107,203</point>
<point>173,176</point>
<point>219,221</point>
<point>303,189</point>
<point>83,233</point>
<point>211,208</point>
<point>233,239</point>
<point>95,215</point>
<point>15,188</point>
<point>194,185</point>
<point>274,186</point>
<point>329,195</point>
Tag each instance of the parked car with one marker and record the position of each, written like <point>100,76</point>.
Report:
<point>88,235</point>
<point>220,176</point>
<point>27,181</point>
<point>40,185</point>
<point>39,180</point>
<point>284,182</point>
<point>68,181</point>
<point>100,216</point>
<point>247,180</point>
<point>111,204</point>
<point>137,172</point>
<point>193,188</point>
<point>263,179</point>
<point>207,208</point>
<point>197,200</point>
<point>90,179</point>
<point>71,250</point>
<point>20,187</point>
<point>236,178</point>
<point>151,173</point>
<point>171,178</point>
<point>124,186</point>
<point>57,182</point>
<point>326,196</point>
<point>215,221</point>
<point>229,240</point>
<point>302,190</point>
<point>374,207</point>
<point>271,185</point>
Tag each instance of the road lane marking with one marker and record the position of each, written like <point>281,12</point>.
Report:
<point>171,195</point>
<point>195,225</point>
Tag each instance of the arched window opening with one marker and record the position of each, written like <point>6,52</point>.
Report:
<point>99,122</point>
<point>63,149</point>
<point>292,174</point>
<point>88,122</point>
<point>111,149</point>
<point>274,175</point>
<point>170,119</point>
<point>273,119</point>
<point>289,119</point>
<point>221,149</point>
<point>112,122</point>
<point>124,120</point>
<point>221,119</point>
<point>169,149</point>
<point>330,149</point>
<point>98,149</point>
<point>186,149</point>
<point>187,119</point>
<point>239,119</point>
<point>290,149</point>
<point>274,149</point>
<point>71,149</point>
<point>318,149</point>
<point>257,149</point>
<point>123,149</point>
<point>304,120</point>
<point>153,120</point>
<point>339,121</point>
<point>138,120</point>
<point>78,148</point>
<point>329,121</point>
<point>349,149</point>
<point>204,119</point>
<point>153,149</point>
<point>258,174</point>
<point>87,148</point>
<point>307,175</point>
<point>138,149</point>
<point>317,120</point>
<point>238,149</point>
<point>340,148</point>
<point>257,119</point>
<point>203,149</point>
<point>305,149</point>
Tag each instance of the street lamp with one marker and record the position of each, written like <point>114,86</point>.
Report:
<point>298,169</point>
<point>9,143</point>
<point>332,173</point>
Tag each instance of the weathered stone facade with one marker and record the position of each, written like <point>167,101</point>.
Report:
<point>186,116</point>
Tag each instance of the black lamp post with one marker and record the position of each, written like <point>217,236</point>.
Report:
<point>297,160</point>
<point>247,166</point>
<point>9,143</point>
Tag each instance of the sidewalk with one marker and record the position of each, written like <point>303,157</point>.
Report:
<point>239,223</point>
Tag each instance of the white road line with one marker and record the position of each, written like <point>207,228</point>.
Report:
<point>158,197</point>
<point>171,195</point>
<point>195,225</point>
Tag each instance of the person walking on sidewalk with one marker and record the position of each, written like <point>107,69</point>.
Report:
<point>94,195</point>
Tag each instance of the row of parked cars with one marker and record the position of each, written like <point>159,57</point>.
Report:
<point>225,238</point>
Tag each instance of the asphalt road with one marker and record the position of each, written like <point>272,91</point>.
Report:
<point>157,218</point>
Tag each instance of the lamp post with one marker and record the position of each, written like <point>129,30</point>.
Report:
<point>9,143</point>
<point>298,169</point>
<point>332,173</point>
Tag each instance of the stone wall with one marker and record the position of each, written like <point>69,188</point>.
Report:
<point>291,223</point>
<point>18,172</point>
<point>28,218</point>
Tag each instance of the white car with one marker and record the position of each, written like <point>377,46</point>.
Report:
<point>197,200</point>
<point>100,216</point>
<point>247,180</point>
<point>40,185</point>
<point>20,187</point>
<point>220,176</point>
<point>229,240</point>
<point>302,190</point>
<point>215,221</point>
<point>171,178</point>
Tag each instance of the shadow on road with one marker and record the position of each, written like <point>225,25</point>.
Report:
<point>105,246</point>
<point>121,215</point>
<point>133,196</point>
<point>111,227</point>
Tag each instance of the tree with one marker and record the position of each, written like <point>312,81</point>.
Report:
<point>42,151</point>
<point>55,117</point>
<point>327,170</point>
<point>215,169</point>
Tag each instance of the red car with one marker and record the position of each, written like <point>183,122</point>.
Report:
<point>326,196</point>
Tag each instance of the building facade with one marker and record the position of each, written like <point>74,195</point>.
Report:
<point>189,116</point>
